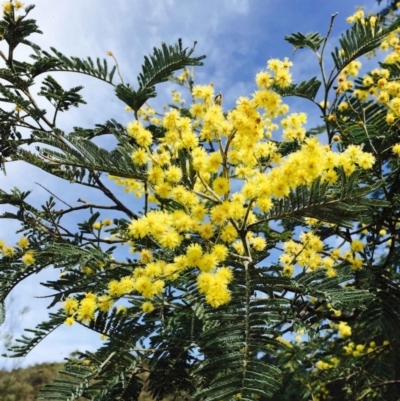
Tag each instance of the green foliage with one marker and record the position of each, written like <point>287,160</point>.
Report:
<point>191,342</point>
<point>360,40</point>
<point>342,206</point>
<point>306,89</point>
<point>42,331</point>
<point>155,70</point>
<point>45,62</point>
<point>312,40</point>
<point>61,100</point>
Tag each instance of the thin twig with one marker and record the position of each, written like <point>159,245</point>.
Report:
<point>385,383</point>
<point>110,195</point>
<point>117,65</point>
<point>51,193</point>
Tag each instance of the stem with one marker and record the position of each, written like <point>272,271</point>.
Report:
<point>385,383</point>
<point>146,198</point>
<point>51,193</point>
<point>111,196</point>
<point>118,71</point>
<point>325,41</point>
<point>247,322</point>
<point>55,114</point>
<point>35,105</point>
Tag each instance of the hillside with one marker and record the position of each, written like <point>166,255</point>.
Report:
<point>23,384</point>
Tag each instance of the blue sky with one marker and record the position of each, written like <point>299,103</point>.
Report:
<point>238,37</point>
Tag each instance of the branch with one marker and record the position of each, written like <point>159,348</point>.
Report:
<point>385,383</point>
<point>85,206</point>
<point>110,195</point>
<point>55,196</point>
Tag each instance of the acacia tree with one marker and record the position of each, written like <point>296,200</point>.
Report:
<point>245,240</point>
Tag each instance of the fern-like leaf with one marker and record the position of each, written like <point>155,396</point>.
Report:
<point>157,68</point>
<point>40,333</point>
<point>311,40</point>
<point>337,208</point>
<point>360,39</point>
<point>306,89</point>
<point>68,388</point>
<point>59,62</point>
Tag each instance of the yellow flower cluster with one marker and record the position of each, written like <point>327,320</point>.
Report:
<point>146,113</point>
<point>391,43</point>
<point>176,97</point>
<point>6,250</point>
<point>355,262</point>
<point>142,136</point>
<point>70,306</point>
<point>356,350</point>
<point>241,177</point>
<point>357,16</point>
<point>162,227</point>
<point>104,303</point>
<point>149,280</point>
<point>293,127</point>
<point>376,83</point>
<point>357,246</point>
<point>184,76</point>
<point>215,286</point>
<point>96,225</point>
<point>336,312</point>
<point>351,70</point>
<point>85,309</point>
<point>280,74</point>
<point>344,329</point>
<point>27,258</point>
<point>147,307</point>
<point>396,149</point>
<point>323,365</point>
<point>306,253</point>
<point>99,224</point>
<point>23,243</point>
<point>8,6</point>
<point>129,185</point>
